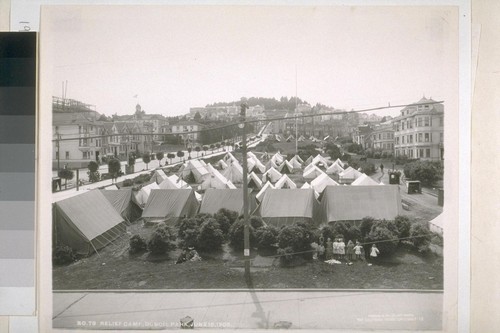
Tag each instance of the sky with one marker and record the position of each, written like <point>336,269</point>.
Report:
<point>176,57</point>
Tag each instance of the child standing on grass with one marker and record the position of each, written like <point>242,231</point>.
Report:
<point>357,250</point>
<point>374,252</point>
<point>350,250</point>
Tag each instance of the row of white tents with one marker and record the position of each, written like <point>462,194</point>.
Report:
<point>95,218</point>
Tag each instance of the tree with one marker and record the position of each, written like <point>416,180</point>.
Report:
<point>366,225</point>
<point>146,158</point>
<point>189,150</point>
<point>188,232</point>
<point>420,236</point>
<point>197,116</point>
<point>266,237</point>
<point>180,154</point>
<point>114,168</point>
<point>197,149</point>
<point>333,150</point>
<point>211,236</point>
<point>386,240</point>
<point>159,156</point>
<point>65,174</point>
<point>403,224</point>
<point>205,148</point>
<point>236,233</point>
<point>131,159</point>
<point>161,241</point>
<point>170,156</point>
<point>218,145</point>
<point>424,171</point>
<point>212,146</point>
<point>93,172</point>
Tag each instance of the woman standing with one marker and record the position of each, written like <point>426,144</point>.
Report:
<point>341,246</point>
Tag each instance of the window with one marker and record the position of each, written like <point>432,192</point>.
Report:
<point>402,139</point>
<point>427,137</point>
<point>427,121</point>
<point>67,155</point>
<point>397,140</point>
<point>419,122</point>
<point>411,153</point>
<point>410,138</point>
<point>427,153</point>
<point>419,139</point>
<point>410,123</point>
<point>380,136</point>
<point>85,155</point>
<point>421,153</point>
<point>57,155</point>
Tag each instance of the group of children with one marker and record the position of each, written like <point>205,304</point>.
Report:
<point>338,250</point>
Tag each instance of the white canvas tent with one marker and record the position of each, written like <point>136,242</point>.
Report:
<point>322,181</point>
<point>353,203</point>
<point>86,222</point>
<point>121,200</point>
<point>308,186</point>
<point>312,172</point>
<point>285,167</point>
<point>141,196</point>
<point>335,168</point>
<point>179,182</point>
<point>275,207</point>
<point>233,172</point>
<point>308,160</point>
<point>221,164</point>
<point>216,199</point>
<point>254,181</point>
<point>229,158</point>
<point>158,176</point>
<point>319,160</point>
<point>170,205</point>
<point>195,169</point>
<point>364,180</point>
<point>271,175</point>
<point>285,182</point>
<point>271,164</point>
<point>339,162</point>
<point>349,175</point>
<point>261,193</point>
<point>278,158</point>
<point>215,180</point>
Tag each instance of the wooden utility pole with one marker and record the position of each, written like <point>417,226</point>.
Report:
<point>246,221</point>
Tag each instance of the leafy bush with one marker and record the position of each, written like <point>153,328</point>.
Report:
<point>403,224</point>
<point>236,233</point>
<point>353,234</point>
<point>231,215</point>
<point>367,168</point>
<point>366,225</point>
<point>223,222</point>
<point>159,156</point>
<point>211,236</point>
<point>340,229</point>
<point>146,158</point>
<point>188,232</point>
<point>137,244</point>
<point>266,237</point>
<point>426,172</point>
<point>256,222</point>
<point>127,182</point>
<point>421,236</point>
<point>293,236</point>
<point>161,241</point>
<point>386,239</point>
<point>93,174</point>
<point>63,255</point>
<point>114,167</point>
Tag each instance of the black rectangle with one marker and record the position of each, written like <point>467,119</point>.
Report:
<point>17,101</point>
<point>17,72</point>
<point>17,45</point>
<point>17,129</point>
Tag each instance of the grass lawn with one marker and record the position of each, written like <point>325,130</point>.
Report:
<point>115,268</point>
